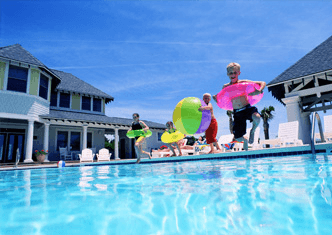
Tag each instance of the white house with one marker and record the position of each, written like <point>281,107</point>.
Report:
<point>43,108</point>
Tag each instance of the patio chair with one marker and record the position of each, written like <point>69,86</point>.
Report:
<point>288,133</point>
<point>86,156</point>
<point>64,155</point>
<point>103,155</point>
<point>328,128</point>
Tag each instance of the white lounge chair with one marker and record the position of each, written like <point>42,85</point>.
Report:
<point>328,128</point>
<point>288,133</point>
<point>64,155</point>
<point>86,156</point>
<point>103,155</point>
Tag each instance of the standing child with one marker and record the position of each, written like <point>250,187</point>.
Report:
<point>211,132</point>
<point>243,111</point>
<point>139,125</point>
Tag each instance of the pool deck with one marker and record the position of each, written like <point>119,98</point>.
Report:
<point>322,148</point>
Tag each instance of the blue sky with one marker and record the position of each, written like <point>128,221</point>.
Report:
<point>149,55</point>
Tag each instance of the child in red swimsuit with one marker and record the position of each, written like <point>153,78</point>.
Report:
<point>211,132</point>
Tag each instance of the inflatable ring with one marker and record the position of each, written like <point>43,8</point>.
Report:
<point>172,137</point>
<point>225,96</point>
<point>138,133</point>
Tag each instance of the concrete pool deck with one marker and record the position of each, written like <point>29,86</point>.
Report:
<point>321,148</point>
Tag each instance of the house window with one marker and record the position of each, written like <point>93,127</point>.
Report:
<point>96,105</point>
<point>89,142</point>
<point>17,79</point>
<point>86,103</point>
<point>43,86</point>
<point>64,100</point>
<point>62,140</point>
<point>75,141</point>
<point>54,98</point>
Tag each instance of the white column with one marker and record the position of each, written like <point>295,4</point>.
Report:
<point>28,149</point>
<point>294,113</point>
<point>85,136</point>
<point>46,138</point>
<point>116,144</point>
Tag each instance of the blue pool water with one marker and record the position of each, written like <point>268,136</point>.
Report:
<point>280,195</point>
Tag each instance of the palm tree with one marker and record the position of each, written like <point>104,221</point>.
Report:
<point>230,115</point>
<point>267,116</point>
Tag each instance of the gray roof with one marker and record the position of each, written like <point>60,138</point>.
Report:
<point>317,60</point>
<point>18,53</point>
<point>68,81</point>
<point>71,83</point>
<point>78,116</point>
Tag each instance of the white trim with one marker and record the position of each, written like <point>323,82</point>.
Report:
<point>91,103</point>
<point>5,80</point>
<point>58,100</point>
<point>45,74</point>
<point>303,77</point>
<point>28,82</point>
<point>70,97</point>
<point>38,85</point>
<point>310,91</point>
<point>49,90</point>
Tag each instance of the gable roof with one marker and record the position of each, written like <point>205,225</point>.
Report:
<point>317,60</point>
<point>84,117</point>
<point>72,83</point>
<point>17,53</point>
<point>68,81</point>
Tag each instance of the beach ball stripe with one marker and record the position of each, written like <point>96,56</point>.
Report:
<point>188,120</point>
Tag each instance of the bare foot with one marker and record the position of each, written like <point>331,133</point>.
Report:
<point>138,160</point>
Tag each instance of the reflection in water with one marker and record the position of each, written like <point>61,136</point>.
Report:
<point>257,196</point>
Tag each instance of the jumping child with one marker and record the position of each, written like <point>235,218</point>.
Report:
<point>243,111</point>
<point>139,125</point>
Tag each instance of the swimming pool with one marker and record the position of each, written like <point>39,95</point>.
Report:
<point>278,195</point>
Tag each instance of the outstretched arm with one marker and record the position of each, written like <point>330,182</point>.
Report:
<point>145,127</point>
<point>257,91</point>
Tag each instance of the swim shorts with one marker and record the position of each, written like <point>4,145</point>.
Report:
<point>240,120</point>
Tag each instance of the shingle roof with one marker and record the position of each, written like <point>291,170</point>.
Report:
<point>71,83</point>
<point>317,60</point>
<point>18,53</point>
<point>77,116</point>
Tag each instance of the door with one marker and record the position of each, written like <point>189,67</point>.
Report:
<point>9,143</point>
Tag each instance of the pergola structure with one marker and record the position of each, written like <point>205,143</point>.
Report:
<point>306,87</point>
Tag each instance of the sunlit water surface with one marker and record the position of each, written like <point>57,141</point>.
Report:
<point>280,195</point>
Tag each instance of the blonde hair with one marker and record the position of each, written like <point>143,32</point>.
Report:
<point>207,94</point>
<point>233,65</point>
